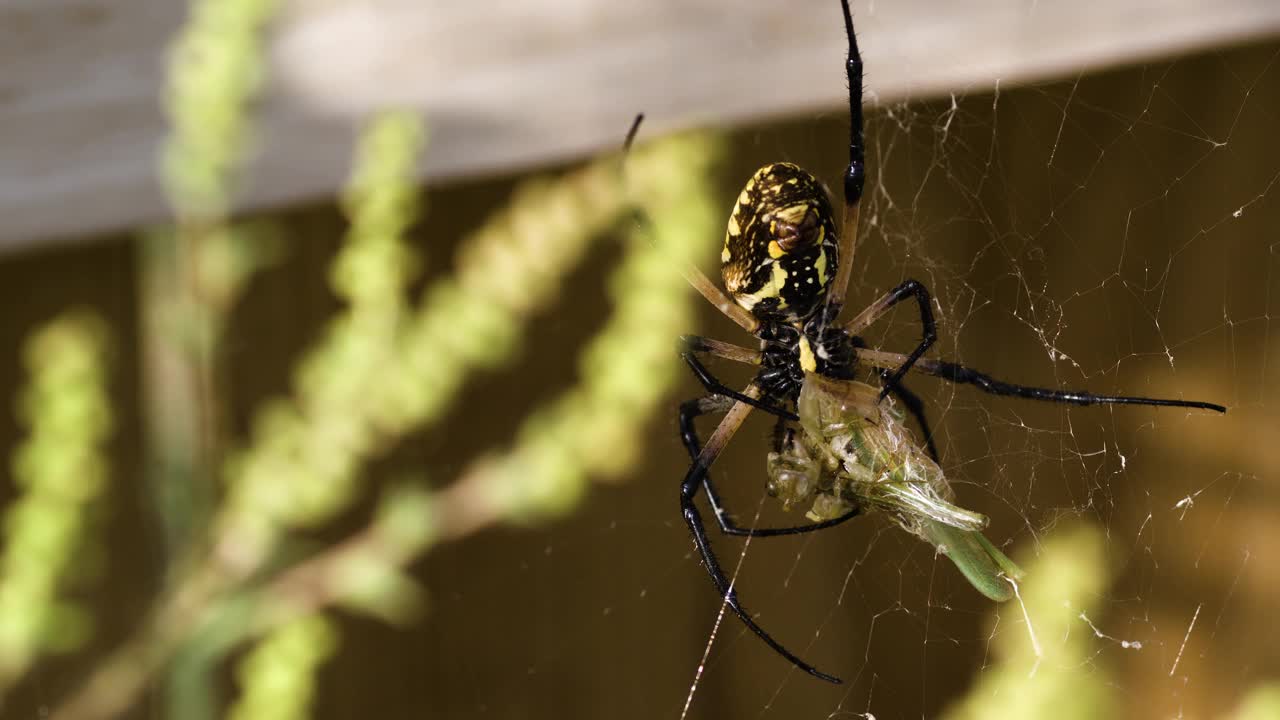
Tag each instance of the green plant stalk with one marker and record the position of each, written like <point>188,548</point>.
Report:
<point>191,277</point>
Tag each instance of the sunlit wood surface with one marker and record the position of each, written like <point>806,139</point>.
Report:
<point>509,84</point>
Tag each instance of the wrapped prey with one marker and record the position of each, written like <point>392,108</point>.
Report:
<point>854,450</point>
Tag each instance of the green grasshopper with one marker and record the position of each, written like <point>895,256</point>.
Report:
<point>854,451</point>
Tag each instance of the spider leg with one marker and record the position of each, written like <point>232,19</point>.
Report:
<point>915,406</point>
<point>715,387</point>
<point>909,289</point>
<point>716,297</point>
<point>693,479</point>
<point>631,134</point>
<point>855,175</point>
<point>953,372</point>
<point>721,349</point>
<point>689,412</point>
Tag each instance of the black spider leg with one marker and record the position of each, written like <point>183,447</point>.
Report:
<point>690,410</point>
<point>631,133</point>
<point>715,387</point>
<point>967,376</point>
<point>913,289</point>
<point>688,490</point>
<point>856,174</point>
<point>915,406</point>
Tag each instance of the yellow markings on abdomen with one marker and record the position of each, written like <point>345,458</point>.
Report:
<point>771,289</point>
<point>780,243</point>
<point>779,278</point>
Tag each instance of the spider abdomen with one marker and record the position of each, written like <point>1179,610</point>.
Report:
<point>780,249</point>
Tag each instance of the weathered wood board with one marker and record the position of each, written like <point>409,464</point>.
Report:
<point>508,84</point>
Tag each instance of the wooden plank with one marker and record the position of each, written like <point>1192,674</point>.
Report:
<point>510,84</point>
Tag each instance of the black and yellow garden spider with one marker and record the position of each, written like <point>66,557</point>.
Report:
<point>840,443</point>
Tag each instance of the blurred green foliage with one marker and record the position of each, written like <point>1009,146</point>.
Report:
<point>1261,704</point>
<point>61,470</point>
<point>1045,662</point>
<point>216,69</point>
<point>278,676</point>
<point>385,368</point>
<point>304,460</point>
<point>591,430</point>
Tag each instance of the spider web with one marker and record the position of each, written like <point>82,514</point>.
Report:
<point>1115,232</point>
<point>1112,232</point>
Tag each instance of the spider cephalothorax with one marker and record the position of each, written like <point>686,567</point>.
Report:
<point>789,350</point>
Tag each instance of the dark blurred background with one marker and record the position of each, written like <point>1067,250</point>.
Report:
<point>1115,231</point>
